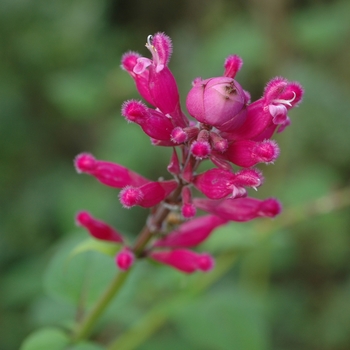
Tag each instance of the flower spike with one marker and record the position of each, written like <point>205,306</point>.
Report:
<point>226,128</point>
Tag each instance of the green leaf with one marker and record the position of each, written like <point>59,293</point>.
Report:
<point>46,338</point>
<point>91,244</point>
<point>79,279</point>
<point>224,320</point>
<point>86,346</point>
<point>233,236</point>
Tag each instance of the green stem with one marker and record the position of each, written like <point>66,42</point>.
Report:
<point>155,318</point>
<point>83,329</point>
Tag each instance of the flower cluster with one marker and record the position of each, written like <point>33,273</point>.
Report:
<point>226,129</point>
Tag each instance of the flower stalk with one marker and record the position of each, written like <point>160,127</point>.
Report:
<point>83,329</point>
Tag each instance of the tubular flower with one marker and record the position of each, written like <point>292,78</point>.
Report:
<point>98,229</point>
<point>223,127</point>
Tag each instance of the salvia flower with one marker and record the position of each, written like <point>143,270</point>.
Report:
<point>224,127</point>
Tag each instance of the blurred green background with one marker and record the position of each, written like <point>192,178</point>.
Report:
<point>61,89</point>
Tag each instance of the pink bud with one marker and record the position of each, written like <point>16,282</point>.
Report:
<point>178,135</point>
<point>246,153</point>
<point>125,259</point>
<point>205,262</point>
<point>188,210</point>
<point>130,196</point>
<point>147,195</point>
<point>108,173</point>
<point>98,229</point>
<point>200,149</point>
<point>239,209</point>
<point>153,123</point>
<point>218,102</point>
<point>184,260</point>
<point>191,233</point>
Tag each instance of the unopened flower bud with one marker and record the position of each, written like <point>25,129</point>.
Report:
<point>218,102</point>
<point>153,123</point>
<point>147,195</point>
<point>239,209</point>
<point>246,153</point>
<point>125,259</point>
<point>108,173</point>
<point>205,262</point>
<point>178,135</point>
<point>97,228</point>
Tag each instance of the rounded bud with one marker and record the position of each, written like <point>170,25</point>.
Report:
<point>125,259</point>
<point>200,149</point>
<point>270,207</point>
<point>188,210</point>
<point>205,262</point>
<point>178,135</point>
<point>84,162</point>
<point>220,102</point>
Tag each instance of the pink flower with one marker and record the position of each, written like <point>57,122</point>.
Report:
<point>125,259</point>
<point>153,78</point>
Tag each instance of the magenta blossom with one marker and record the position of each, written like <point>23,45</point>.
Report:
<point>224,127</point>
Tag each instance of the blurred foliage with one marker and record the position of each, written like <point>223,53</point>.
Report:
<point>61,89</point>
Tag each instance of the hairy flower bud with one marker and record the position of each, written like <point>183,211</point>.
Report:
<point>108,173</point>
<point>147,195</point>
